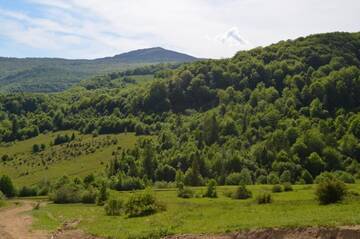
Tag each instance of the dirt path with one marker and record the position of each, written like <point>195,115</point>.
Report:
<point>14,224</point>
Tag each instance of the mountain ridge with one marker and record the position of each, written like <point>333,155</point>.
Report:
<point>58,74</point>
<point>120,55</point>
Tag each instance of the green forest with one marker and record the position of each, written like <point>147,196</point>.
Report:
<point>288,112</point>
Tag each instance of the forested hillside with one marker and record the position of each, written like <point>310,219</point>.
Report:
<point>287,112</point>
<point>54,75</point>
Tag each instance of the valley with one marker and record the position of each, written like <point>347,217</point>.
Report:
<point>267,142</point>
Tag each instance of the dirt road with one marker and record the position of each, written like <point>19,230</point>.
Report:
<point>15,224</point>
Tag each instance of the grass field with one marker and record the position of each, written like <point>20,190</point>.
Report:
<point>27,168</point>
<point>201,215</point>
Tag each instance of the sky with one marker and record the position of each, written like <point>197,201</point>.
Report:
<point>203,28</point>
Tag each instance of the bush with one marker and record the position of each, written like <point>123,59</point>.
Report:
<point>7,187</point>
<point>142,204</point>
<point>44,187</point>
<point>67,193</point>
<point>273,178</point>
<point>2,196</point>
<point>233,179</point>
<point>28,192</point>
<point>261,179</point>
<point>114,207</point>
<point>211,189</point>
<point>245,177</point>
<point>125,183</point>
<point>276,188</point>
<point>89,196</point>
<point>184,192</point>
<point>102,195</point>
<point>345,177</point>
<point>339,175</point>
<point>307,177</point>
<point>330,191</point>
<point>287,187</point>
<point>285,177</point>
<point>164,184</point>
<point>264,198</point>
<point>242,193</point>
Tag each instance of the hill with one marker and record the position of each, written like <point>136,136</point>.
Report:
<point>284,113</point>
<point>52,74</point>
<point>83,155</point>
<point>150,55</point>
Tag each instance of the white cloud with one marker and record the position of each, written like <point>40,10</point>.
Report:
<point>233,37</point>
<point>94,28</point>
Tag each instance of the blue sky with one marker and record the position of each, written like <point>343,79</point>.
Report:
<point>204,28</point>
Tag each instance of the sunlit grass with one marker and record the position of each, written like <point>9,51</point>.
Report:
<point>202,215</point>
<point>80,165</point>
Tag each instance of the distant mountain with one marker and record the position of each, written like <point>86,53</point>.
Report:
<point>151,55</point>
<point>56,74</point>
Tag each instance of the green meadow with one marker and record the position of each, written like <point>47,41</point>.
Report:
<point>202,215</point>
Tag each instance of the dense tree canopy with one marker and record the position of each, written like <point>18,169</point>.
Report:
<point>287,112</point>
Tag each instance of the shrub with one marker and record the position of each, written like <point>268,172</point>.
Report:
<point>285,177</point>
<point>264,198</point>
<point>345,177</point>
<point>276,188</point>
<point>126,183</point>
<point>184,192</point>
<point>28,191</point>
<point>261,179</point>
<point>245,177</point>
<point>89,196</point>
<point>67,193</point>
<point>242,193</point>
<point>233,179</point>
<point>7,187</point>
<point>89,179</point>
<point>287,187</point>
<point>228,193</point>
<point>44,187</point>
<point>142,204</point>
<point>211,189</point>
<point>306,176</point>
<point>114,207</point>
<point>102,195</point>
<point>164,184</point>
<point>273,178</point>
<point>36,148</point>
<point>330,191</point>
<point>2,196</point>
<point>340,175</point>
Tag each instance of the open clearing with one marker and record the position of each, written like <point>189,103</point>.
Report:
<point>297,209</point>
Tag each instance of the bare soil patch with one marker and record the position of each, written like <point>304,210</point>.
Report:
<point>16,224</point>
<point>351,232</point>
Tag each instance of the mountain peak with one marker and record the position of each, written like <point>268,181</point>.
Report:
<point>152,55</point>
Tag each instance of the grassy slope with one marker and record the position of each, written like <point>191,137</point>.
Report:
<point>77,166</point>
<point>201,215</point>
